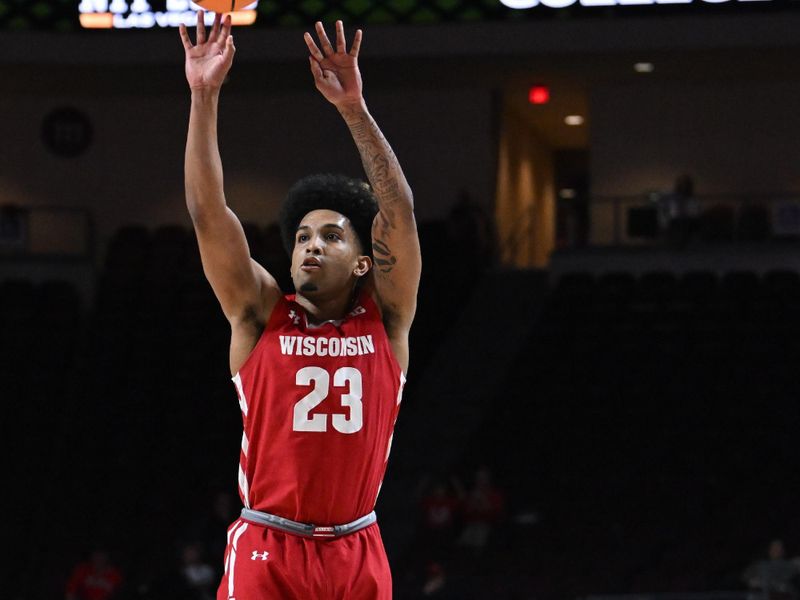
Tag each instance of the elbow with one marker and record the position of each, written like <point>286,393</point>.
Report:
<point>204,207</point>
<point>194,207</point>
<point>201,214</point>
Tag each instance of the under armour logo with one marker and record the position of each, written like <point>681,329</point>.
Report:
<point>294,317</point>
<point>261,555</point>
<point>358,310</point>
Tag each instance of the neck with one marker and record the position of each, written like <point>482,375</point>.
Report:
<point>320,310</point>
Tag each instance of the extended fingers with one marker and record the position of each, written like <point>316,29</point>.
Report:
<point>187,43</point>
<point>323,39</point>
<point>356,44</point>
<point>226,27</point>
<point>312,47</point>
<point>215,28</point>
<point>327,49</point>
<point>341,45</point>
<point>201,27</point>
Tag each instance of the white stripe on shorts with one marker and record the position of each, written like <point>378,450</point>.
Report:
<point>232,558</point>
<point>236,524</point>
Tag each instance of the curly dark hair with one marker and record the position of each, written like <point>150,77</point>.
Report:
<point>351,197</point>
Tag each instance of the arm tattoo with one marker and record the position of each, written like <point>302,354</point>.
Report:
<point>387,180</point>
<point>380,163</point>
<point>384,258</point>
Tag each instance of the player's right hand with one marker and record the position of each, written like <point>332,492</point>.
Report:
<point>210,58</point>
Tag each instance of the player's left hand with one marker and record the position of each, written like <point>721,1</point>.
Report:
<point>336,72</point>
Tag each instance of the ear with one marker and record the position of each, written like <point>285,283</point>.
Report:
<point>363,266</point>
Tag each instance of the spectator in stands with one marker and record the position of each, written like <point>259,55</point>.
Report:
<point>95,579</point>
<point>435,585</point>
<point>775,576</point>
<point>441,508</point>
<point>198,576</point>
<point>484,507</point>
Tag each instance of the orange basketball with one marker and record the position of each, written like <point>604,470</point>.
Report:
<point>225,6</point>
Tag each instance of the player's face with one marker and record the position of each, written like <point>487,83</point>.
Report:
<point>326,259</point>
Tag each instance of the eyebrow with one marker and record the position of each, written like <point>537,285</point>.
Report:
<point>334,225</point>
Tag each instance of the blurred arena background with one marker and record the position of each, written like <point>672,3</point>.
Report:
<point>603,393</point>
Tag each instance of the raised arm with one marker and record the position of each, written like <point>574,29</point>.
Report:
<point>244,289</point>
<point>395,243</point>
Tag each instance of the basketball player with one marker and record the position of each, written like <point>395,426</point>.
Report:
<point>319,374</point>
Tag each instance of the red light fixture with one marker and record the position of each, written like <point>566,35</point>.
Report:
<point>539,94</point>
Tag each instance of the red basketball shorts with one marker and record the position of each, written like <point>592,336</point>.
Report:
<point>263,563</point>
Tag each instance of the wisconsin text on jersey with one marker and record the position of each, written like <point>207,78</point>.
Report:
<point>299,345</point>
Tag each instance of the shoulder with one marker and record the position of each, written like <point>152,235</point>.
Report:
<point>283,309</point>
<point>253,315</point>
<point>269,290</point>
<point>247,332</point>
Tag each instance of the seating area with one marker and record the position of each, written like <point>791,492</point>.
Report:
<point>40,325</point>
<point>649,421</point>
<point>652,423</point>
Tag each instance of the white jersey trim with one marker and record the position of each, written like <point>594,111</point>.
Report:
<point>400,389</point>
<point>391,437</point>
<point>389,447</point>
<point>244,487</point>
<point>237,381</point>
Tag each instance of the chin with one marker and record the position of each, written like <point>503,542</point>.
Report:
<point>308,288</point>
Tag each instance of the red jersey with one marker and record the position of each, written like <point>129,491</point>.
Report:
<point>319,404</point>
<point>89,582</point>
